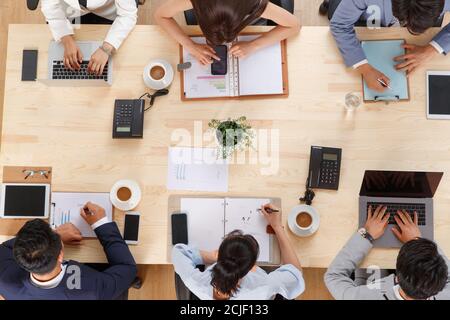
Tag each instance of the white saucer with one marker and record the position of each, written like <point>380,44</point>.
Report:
<point>303,232</point>
<point>135,195</point>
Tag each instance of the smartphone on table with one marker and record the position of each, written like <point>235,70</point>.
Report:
<point>131,228</point>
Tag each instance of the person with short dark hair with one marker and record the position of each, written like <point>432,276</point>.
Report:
<point>232,272</point>
<point>221,21</point>
<point>32,264</point>
<point>417,16</point>
<point>422,270</point>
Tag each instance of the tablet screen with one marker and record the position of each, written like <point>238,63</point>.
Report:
<point>439,94</point>
<point>25,201</point>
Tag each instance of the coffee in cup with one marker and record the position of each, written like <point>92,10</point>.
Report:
<point>157,72</point>
<point>304,220</point>
<point>124,194</point>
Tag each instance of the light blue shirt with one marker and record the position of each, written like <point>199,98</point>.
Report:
<point>348,14</point>
<point>256,285</point>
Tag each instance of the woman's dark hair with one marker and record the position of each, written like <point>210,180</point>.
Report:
<point>237,256</point>
<point>37,247</point>
<point>421,270</point>
<point>222,20</point>
<point>418,15</point>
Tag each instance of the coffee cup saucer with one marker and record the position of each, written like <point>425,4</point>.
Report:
<point>131,203</point>
<point>303,232</point>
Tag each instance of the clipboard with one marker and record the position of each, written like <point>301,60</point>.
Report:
<point>285,78</point>
<point>174,206</point>
<point>380,54</point>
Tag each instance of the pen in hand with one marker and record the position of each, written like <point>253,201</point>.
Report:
<point>87,211</point>
<point>384,84</point>
<point>268,210</point>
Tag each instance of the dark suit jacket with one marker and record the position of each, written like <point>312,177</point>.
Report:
<point>15,283</point>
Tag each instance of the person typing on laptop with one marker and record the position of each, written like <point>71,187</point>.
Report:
<point>417,16</point>
<point>32,264</point>
<point>422,270</point>
<point>121,13</point>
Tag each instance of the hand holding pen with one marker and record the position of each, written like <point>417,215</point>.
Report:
<point>272,215</point>
<point>92,213</point>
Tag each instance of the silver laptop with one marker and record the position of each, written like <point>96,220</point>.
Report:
<point>59,75</point>
<point>399,190</point>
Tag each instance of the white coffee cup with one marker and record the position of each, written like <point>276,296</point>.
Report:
<point>125,195</point>
<point>158,74</point>
<point>311,216</point>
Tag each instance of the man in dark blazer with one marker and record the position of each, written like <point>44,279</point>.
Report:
<point>32,265</point>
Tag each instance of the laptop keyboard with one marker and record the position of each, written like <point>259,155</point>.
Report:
<point>60,72</point>
<point>392,208</point>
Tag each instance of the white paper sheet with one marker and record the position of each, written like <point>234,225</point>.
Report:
<point>196,169</point>
<point>242,214</point>
<point>205,222</point>
<point>198,80</point>
<point>261,72</point>
<point>65,207</point>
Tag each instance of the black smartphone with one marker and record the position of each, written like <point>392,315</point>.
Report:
<point>29,65</point>
<point>131,229</point>
<point>220,67</point>
<point>179,228</point>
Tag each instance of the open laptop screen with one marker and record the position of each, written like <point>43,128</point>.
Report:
<point>400,184</point>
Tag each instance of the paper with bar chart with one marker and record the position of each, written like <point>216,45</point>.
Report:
<point>198,80</point>
<point>65,208</point>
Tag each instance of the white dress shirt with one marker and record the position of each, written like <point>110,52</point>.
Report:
<point>287,280</point>
<point>58,14</point>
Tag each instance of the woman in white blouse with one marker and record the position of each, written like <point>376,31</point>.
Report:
<point>232,271</point>
<point>59,13</point>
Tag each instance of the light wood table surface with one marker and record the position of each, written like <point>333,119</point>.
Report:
<point>70,130</point>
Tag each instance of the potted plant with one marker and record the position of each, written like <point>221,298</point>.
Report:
<point>232,135</point>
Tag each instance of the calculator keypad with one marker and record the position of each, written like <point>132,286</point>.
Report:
<point>329,172</point>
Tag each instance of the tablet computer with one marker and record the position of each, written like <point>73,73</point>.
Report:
<point>438,95</point>
<point>25,200</point>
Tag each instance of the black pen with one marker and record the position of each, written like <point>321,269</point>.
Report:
<point>268,210</point>
<point>87,211</point>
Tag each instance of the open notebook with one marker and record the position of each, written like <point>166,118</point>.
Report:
<point>381,54</point>
<point>211,219</point>
<point>66,208</point>
<point>264,73</point>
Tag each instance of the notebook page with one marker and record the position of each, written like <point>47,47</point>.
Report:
<point>198,80</point>
<point>205,222</point>
<point>242,214</point>
<point>380,55</point>
<point>262,71</point>
<point>66,208</point>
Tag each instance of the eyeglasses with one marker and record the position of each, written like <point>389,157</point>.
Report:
<point>32,173</point>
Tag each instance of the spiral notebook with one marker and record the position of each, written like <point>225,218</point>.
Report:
<point>252,76</point>
<point>211,219</point>
<point>381,54</point>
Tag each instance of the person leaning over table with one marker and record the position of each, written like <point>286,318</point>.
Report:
<point>232,272</point>
<point>221,21</point>
<point>58,13</point>
<point>422,270</point>
<point>32,264</point>
<point>417,16</point>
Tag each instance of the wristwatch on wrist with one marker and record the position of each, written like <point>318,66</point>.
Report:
<point>363,232</point>
<point>108,51</point>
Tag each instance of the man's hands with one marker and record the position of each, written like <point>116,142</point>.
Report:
<point>377,222</point>
<point>99,59</point>
<point>414,57</point>
<point>243,49</point>
<point>203,53</point>
<point>408,229</point>
<point>72,53</point>
<point>69,234</point>
<point>95,213</point>
<point>371,77</point>
<point>274,218</point>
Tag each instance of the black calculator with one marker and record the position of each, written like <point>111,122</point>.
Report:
<point>324,168</point>
<point>128,119</point>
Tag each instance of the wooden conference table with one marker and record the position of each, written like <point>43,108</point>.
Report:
<point>69,129</point>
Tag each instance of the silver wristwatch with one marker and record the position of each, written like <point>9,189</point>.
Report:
<point>363,232</point>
